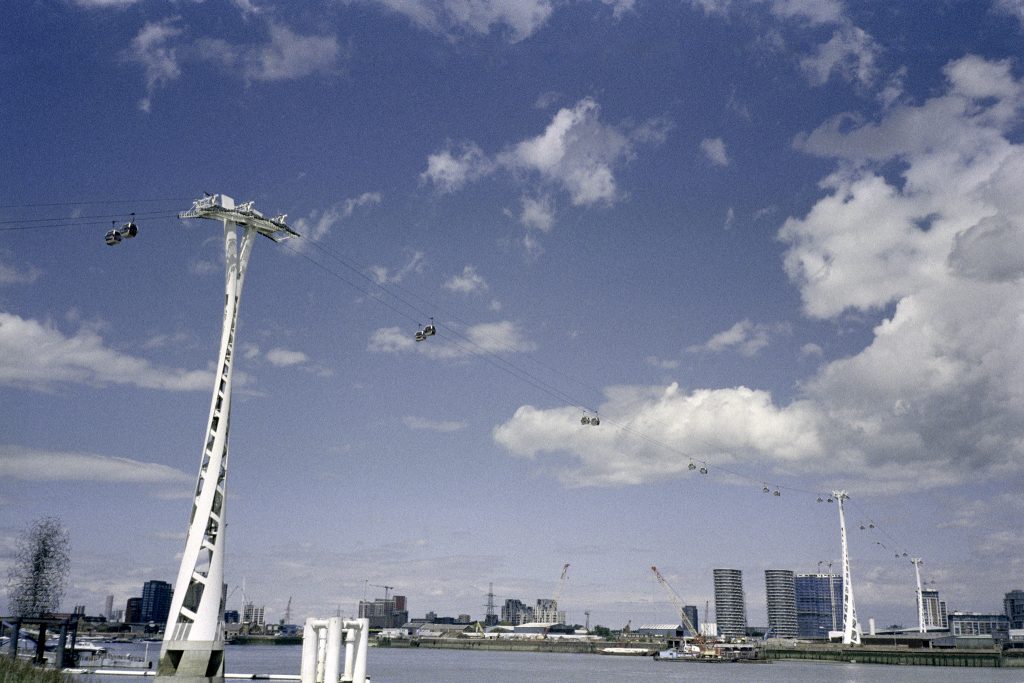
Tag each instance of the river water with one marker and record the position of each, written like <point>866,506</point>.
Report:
<point>422,665</point>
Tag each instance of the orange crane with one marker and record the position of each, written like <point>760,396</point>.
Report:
<point>706,650</point>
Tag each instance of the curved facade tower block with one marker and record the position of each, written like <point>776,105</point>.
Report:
<point>851,627</point>
<point>193,646</point>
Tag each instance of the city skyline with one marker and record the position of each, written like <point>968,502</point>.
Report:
<point>693,265</point>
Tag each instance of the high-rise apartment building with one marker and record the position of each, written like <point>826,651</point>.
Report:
<point>730,605</point>
<point>780,590</point>
<point>934,610</point>
<point>819,604</point>
<point>133,611</point>
<point>546,612</point>
<point>516,612</point>
<point>108,608</point>
<point>1013,604</point>
<point>156,601</point>
<point>253,615</point>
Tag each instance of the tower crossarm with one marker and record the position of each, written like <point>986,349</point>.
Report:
<point>222,207</point>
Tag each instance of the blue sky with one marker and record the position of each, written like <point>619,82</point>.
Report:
<point>781,238</point>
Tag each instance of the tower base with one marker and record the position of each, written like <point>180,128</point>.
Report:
<point>192,662</point>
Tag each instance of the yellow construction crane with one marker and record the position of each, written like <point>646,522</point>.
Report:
<point>698,639</point>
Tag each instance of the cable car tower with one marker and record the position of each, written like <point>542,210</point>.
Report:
<point>851,627</point>
<point>193,645</point>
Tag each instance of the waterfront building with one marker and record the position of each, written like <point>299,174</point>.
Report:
<point>253,615</point>
<point>691,613</point>
<point>156,601</point>
<point>231,616</point>
<point>385,612</point>
<point>108,608</point>
<point>546,612</point>
<point>730,605</point>
<point>133,611</point>
<point>935,616</point>
<point>1013,605</point>
<point>819,604</point>
<point>516,612</point>
<point>964,624</point>
<point>780,590</point>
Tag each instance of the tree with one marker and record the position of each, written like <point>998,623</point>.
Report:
<point>36,580</point>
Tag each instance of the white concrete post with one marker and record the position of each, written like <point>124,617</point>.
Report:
<point>350,651</point>
<point>359,673</point>
<point>333,650</point>
<point>310,638</point>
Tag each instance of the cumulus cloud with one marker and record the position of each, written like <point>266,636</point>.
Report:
<point>850,52</point>
<point>291,55</point>
<point>746,337</point>
<point>517,19</point>
<point>284,357</point>
<point>498,337</point>
<point>161,49</point>
<point>935,395</point>
<point>449,170</point>
<point>577,153</point>
<point>37,355</point>
<point>714,150</point>
<point>29,464</point>
<point>468,282</point>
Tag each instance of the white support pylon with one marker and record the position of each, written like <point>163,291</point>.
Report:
<point>851,627</point>
<point>193,645</point>
<point>922,625</point>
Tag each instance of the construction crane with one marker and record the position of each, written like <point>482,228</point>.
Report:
<point>698,639</point>
<point>561,582</point>
<point>387,589</point>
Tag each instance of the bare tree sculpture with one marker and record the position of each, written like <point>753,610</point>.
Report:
<point>36,580</point>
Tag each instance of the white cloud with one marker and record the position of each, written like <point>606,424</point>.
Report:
<point>714,150</point>
<point>442,426</point>
<point>813,12</point>
<point>38,355</point>
<point>320,223</point>
<point>468,282</point>
<point>518,18</point>
<point>384,276</point>
<point>29,464</point>
<point>538,214</point>
<point>934,397</point>
<point>451,169</point>
<point>576,152</point>
<point>284,357</point>
<point>662,363</point>
<point>104,4</point>
<point>151,48</point>
<point>12,275</point>
<point>499,337</point>
<point>850,53</point>
<point>291,55</point>
<point>730,218</point>
<point>746,337</point>
<point>1014,8</point>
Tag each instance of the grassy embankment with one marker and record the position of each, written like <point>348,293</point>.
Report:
<point>17,671</point>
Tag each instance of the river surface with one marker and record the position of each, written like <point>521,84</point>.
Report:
<point>422,665</point>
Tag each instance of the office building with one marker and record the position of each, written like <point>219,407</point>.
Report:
<point>516,612</point>
<point>819,604</point>
<point>691,613</point>
<point>156,601</point>
<point>730,604</point>
<point>1013,605</point>
<point>231,616</point>
<point>780,590</point>
<point>385,612</point>
<point>253,615</point>
<point>108,608</point>
<point>934,611</point>
<point>965,624</point>
<point>133,611</point>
